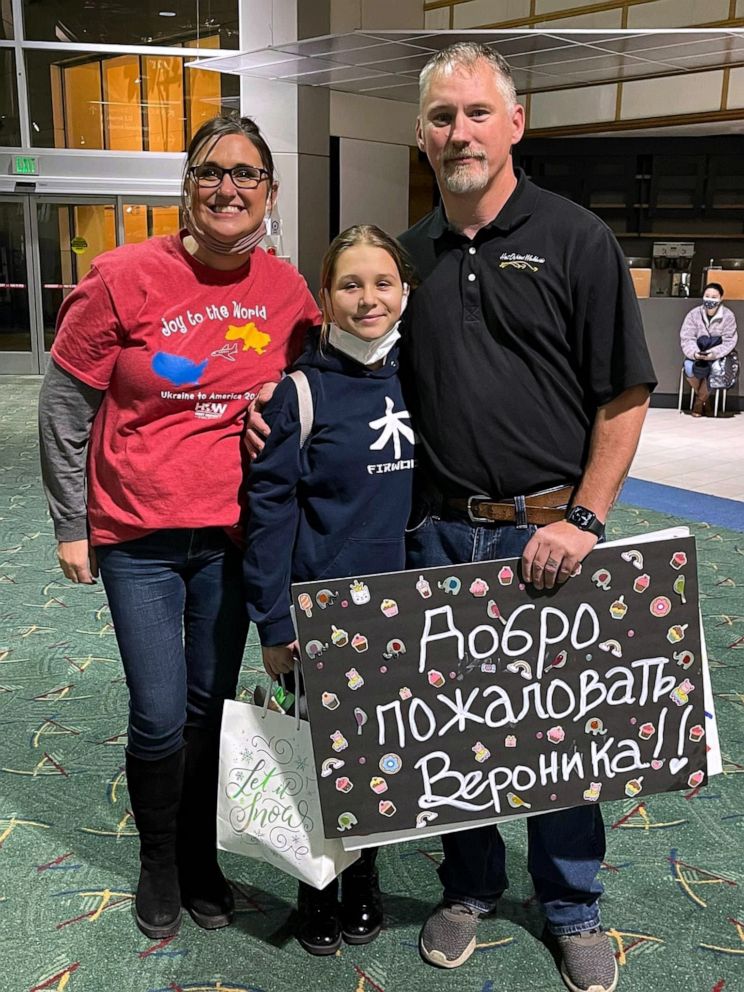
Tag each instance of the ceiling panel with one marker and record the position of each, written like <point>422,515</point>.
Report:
<point>640,43</point>
<point>388,62</point>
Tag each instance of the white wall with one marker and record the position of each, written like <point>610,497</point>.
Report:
<point>374,185</point>
<point>349,15</point>
<point>373,119</point>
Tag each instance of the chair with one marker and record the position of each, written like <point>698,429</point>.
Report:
<point>715,392</point>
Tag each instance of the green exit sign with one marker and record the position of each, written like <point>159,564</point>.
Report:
<point>25,165</point>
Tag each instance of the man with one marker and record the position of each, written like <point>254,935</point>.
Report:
<point>530,381</point>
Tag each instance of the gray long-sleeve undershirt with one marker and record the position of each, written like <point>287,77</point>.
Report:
<point>67,407</point>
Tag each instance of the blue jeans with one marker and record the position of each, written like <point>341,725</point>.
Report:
<point>565,848</point>
<point>177,604</point>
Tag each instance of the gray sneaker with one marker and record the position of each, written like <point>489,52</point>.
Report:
<point>588,962</point>
<point>448,937</point>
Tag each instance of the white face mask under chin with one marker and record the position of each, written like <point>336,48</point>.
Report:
<point>364,352</point>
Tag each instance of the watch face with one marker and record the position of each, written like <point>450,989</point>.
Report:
<point>581,517</point>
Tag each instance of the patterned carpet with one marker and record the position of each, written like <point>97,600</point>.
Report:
<point>674,898</point>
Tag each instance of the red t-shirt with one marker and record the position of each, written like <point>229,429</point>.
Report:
<point>180,349</point>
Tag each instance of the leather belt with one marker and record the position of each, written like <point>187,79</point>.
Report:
<point>540,508</point>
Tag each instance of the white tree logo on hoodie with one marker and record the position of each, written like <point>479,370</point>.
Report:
<point>392,426</point>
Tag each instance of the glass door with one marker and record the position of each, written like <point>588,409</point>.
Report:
<point>47,245</point>
<point>17,326</point>
<point>70,235</point>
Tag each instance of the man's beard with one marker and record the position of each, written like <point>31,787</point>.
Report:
<point>470,177</point>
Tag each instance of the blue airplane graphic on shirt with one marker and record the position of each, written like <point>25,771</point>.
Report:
<point>176,369</point>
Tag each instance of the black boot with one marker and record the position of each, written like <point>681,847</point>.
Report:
<point>361,900</point>
<point>204,890</point>
<point>155,795</point>
<point>318,927</point>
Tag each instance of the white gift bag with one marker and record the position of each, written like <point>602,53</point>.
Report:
<point>268,805</point>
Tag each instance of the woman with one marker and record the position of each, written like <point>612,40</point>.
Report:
<point>708,333</point>
<point>158,353</point>
<point>341,516</point>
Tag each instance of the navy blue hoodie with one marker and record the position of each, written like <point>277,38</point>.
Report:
<point>339,506</point>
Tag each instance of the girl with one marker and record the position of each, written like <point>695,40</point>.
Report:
<point>337,504</point>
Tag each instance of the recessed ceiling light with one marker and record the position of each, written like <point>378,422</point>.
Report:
<point>167,13</point>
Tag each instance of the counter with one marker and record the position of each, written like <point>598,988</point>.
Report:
<point>662,319</point>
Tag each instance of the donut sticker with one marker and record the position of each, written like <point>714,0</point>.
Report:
<point>390,764</point>
<point>661,606</point>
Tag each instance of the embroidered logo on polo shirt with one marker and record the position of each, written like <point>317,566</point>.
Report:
<point>515,260</point>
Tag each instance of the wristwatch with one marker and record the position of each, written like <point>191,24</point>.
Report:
<point>584,519</point>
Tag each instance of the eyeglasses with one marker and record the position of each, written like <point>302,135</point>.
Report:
<point>243,176</point>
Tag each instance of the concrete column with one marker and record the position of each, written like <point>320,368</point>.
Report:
<point>295,122</point>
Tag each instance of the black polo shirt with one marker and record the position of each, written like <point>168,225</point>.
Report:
<point>512,341</point>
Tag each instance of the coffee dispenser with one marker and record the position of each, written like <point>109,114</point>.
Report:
<point>672,261</point>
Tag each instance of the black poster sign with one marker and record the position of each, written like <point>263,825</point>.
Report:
<point>459,694</point>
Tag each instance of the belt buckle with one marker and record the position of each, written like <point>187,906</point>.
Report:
<point>471,516</point>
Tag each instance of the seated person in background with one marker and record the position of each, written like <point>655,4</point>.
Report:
<point>708,332</point>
